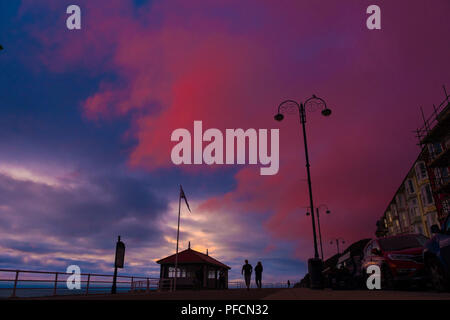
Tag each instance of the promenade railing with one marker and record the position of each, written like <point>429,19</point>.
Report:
<point>30,283</point>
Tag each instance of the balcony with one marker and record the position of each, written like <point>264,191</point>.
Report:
<point>443,185</point>
<point>441,160</point>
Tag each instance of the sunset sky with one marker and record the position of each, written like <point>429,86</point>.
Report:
<point>86,118</point>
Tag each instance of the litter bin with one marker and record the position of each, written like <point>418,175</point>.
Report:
<point>315,266</point>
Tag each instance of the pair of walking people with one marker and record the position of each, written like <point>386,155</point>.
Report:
<point>247,270</point>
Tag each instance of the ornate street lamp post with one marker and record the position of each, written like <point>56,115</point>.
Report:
<point>289,106</point>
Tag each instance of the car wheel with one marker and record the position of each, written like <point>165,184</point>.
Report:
<point>437,275</point>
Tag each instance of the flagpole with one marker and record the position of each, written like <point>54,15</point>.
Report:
<point>178,236</point>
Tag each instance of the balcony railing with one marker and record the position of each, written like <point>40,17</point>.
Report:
<point>440,159</point>
<point>442,184</point>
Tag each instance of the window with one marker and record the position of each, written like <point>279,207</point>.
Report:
<point>212,274</point>
<point>437,148</point>
<point>402,242</point>
<point>400,199</point>
<point>375,245</point>
<point>442,175</point>
<point>413,209</point>
<point>181,272</point>
<point>404,221</point>
<point>397,226</point>
<point>389,216</point>
<point>368,251</point>
<point>421,171</point>
<point>410,186</point>
<point>394,210</point>
<point>427,195</point>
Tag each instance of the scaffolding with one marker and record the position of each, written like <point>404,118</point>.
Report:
<point>434,140</point>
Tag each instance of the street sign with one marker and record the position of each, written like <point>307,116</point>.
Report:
<point>120,254</point>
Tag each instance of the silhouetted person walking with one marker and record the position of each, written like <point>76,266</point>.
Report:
<point>247,272</point>
<point>258,274</point>
<point>289,284</point>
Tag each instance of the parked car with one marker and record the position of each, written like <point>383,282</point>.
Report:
<point>346,272</point>
<point>437,256</point>
<point>399,257</point>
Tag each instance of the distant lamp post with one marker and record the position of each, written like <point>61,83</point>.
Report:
<point>290,107</point>
<point>337,241</point>
<point>318,224</point>
<point>118,262</point>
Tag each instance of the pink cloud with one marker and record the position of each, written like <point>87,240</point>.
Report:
<point>230,65</point>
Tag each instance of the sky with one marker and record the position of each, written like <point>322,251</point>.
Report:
<point>86,117</point>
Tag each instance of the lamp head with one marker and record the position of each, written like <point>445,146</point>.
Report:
<point>279,117</point>
<point>307,213</point>
<point>326,112</point>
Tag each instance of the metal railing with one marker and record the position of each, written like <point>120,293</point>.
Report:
<point>28,283</point>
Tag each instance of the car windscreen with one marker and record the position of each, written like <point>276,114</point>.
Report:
<point>403,242</point>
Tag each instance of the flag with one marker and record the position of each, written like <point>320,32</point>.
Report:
<point>183,196</point>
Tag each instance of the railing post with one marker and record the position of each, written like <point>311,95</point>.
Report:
<point>87,284</point>
<point>56,284</point>
<point>13,295</point>
<point>148,285</point>
<point>132,278</point>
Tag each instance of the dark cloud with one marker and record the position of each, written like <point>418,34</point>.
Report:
<point>98,210</point>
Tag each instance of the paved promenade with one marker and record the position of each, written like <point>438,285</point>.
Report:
<point>266,294</point>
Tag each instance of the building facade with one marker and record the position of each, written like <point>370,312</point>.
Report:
<point>423,198</point>
<point>434,136</point>
<point>412,209</point>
